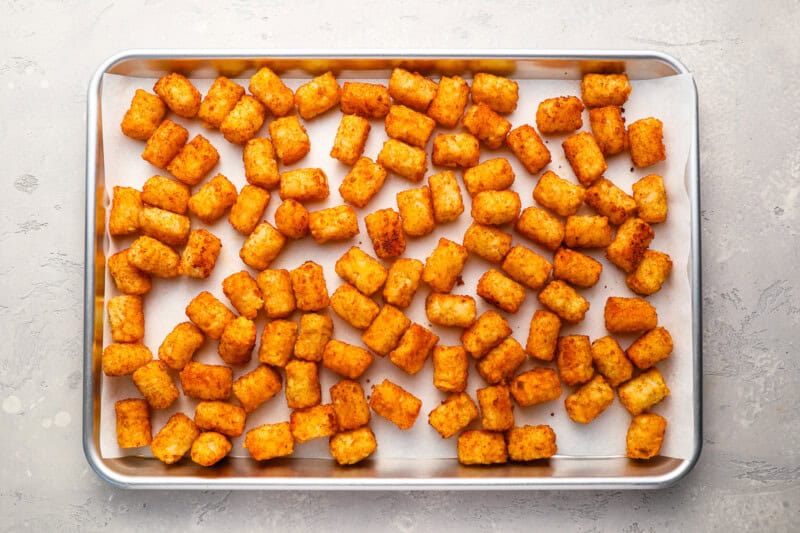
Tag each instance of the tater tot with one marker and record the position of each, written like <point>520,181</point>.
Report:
<point>304,185</point>
<point>256,387</point>
<point>200,254</point>
<point>313,334</point>
<point>269,441</point>
<point>497,411</point>
<point>499,93</point>
<point>482,447</point>
<point>559,115</point>
<point>209,314</point>
<point>446,197</point>
<point>370,100</point>
<point>333,224</point>
<point>584,157</point>
<point>450,368</point>
<point>491,175</point>
<point>291,219</point>
<point>535,386</point>
<point>124,359</point>
<point>496,207</point>
<point>646,142</point>
<point>643,392</point>
<point>151,256</point>
<point>575,268</point>
<point>363,182</point>
<point>395,404</point>
<point>166,193</point>
<point>486,332</point>
<point>260,167</point>
<point>345,359</point>
<point>236,343</point>
<point>179,94</point>
<point>361,270</point>
<point>610,361</point>
<point>608,129</point>
<point>209,448</point>
<point>486,125</point>
<point>351,447</point>
<point>143,116</point>
<point>166,226</point>
<point>611,201</point>
<point>402,281</point>
<point>289,139</point>
<point>416,211</point>
<point>244,120</point>
<point>302,384</point>
<point>586,403</point>
<point>645,436</point>
<point>409,126</point>
<point>455,150</point>
<point>527,267</point>
<point>385,229</point>
<point>276,285</point>
<point>403,159</point>
<point>650,274</point>
<point>564,301</point>
<point>443,267</point>
<point>277,342</point>
<point>451,98</point>
<point>413,349</point>
<point>574,359</point>
<point>651,199</point>
<point>126,205</point>
<point>353,307</point>
<point>175,439</point>
<point>194,161</point>
<point>206,382</point>
<point>126,318</point>
<point>132,423</point>
<point>501,291</point>
<point>450,309</point>
<point>502,361</point>
<point>541,227</point>
<point>262,246</point>
<point>628,315</point>
<point>629,245</point>
<point>165,143</point>
<point>412,89</point>
<point>317,96</point>
<point>529,443</point>
<point>349,405</point>
<point>453,414</point>
<point>558,195</point>
<point>650,348</point>
<point>221,417</point>
<point>248,209</point>
<point>180,344</point>
<point>310,289</point>
<point>587,231</point>
<point>127,278</point>
<point>351,137</point>
<point>526,144</point>
<point>598,90</point>
<point>272,92</point>
<point>220,100</point>
<point>487,242</point>
<point>244,294</point>
<point>211,201</point>
<point>543,335</point>
<point>313,423</point>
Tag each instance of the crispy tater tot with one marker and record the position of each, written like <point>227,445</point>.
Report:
<point>179,94</point>
<point>246,212</point>
<point>395,404</point>
<point>256,387</point>
<point>643,392</point>
<point>124,359</point>
<point>143,116</point>
<point>126,205</point>
<point>543,335</point>
<point>412,89</point>
<point>610,361</point>
<point>587,231</point>
<point>175,439</point>
<point>453,414</point>
<point>166,226</point>
<point>385,229</point>
<point>450,368</point>
<point>598,90</point>
<point>126,318</point>
<point>351,137</point>
<point>456,150</point>
<point>361,270</point>
<point>527,267</point>
<point>272,92</point>
<point>262,246</point>
<point>497,411</point>
<point>206,382</point>
<point>244,120</point>
<point>151,256</point>
<point>491,175</point>
<point>629,245</point>
<point>180,344</point>
<point>128,278</point>
<point>499,93</point>
<point>269,441</point>
<point>345,359</point>
<point>313,423</point>
<point>496,207</point>
<point>574,359</point>
<point>310,289</point>
<point>486,125</point>
<point>535,386</point>
<point>276,286</point>
<point>451,98</point>
<point>165,143</point>
<point>529,443</point>
<point>558,195</point>
<point>260,167</point>
<point>403,159</point>
<point>559,115</point>
<point>645,436</point>
<point>413,349</point>
<point>333,224</point>
<point>526,144</point>
<point>450,309</point>
<point>166,193</point>
<point>487,242</point>
<point>402,281</point>
<point>132,423</point>
<point>416,211</point>
<point>502,361</point>
<point>650,348</point>
<point>221,417</point>
<point>209,448</point>
<point>220,100</point>
<point>317,96</point>
<point>349,405</point>
<point>291,219</point>
<point>650,197</point>
<point>409,126</point>
<point>244,294</point>
<point>446,197</point>
<point>277,342</point>
<point>564,301</point>
<point>370,100</point>
<point>486,332</point>
<point>363,182</point>
<point>304,185</point>
<point>501,291</point>
<point>575,268</point>
<point>608,129</point>
<point>313,334</point>
<point>211,201</point>
<point>611,201</point>
<point>650,274</point>
<point>627,315</point>
<point>584,157</point>
<point>237,341</point>
<point>541,227</point>
<point>200,254</point>
<point>194,161</point>
<point>444,265</point>
<point>353,307</point>
<point>209,314</point>
<point>482,447</point>
<point>586,403</point>
<point>302,384</point>
<point>351,447</point>
<point>646,142</point>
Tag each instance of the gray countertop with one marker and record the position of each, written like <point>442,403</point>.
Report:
<point>745,59</point>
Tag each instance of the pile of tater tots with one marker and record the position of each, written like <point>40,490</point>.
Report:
<point>298,341</point>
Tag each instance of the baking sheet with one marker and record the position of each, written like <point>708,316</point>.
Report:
<point>666,98</point>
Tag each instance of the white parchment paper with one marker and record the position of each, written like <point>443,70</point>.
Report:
<point>668,99</point>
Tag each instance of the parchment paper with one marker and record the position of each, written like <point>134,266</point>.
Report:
<point>666,98</point>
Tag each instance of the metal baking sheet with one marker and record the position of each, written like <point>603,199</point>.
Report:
<point>575,470</point>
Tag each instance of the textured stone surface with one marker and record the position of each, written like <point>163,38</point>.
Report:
<point>745,59</point>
